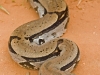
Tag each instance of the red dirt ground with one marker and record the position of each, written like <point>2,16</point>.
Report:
<point>83,28</point>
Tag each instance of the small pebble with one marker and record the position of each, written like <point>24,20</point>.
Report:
<point>1,60</point>
<point>83,63</point>
<point>95,26</point>
<point>93,32</point>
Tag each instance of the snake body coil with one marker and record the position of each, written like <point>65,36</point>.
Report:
<point>37,44</point>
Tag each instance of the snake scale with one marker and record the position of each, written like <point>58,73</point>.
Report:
<point>38,44</point>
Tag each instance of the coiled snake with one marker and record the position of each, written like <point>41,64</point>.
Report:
<point>38,45</point>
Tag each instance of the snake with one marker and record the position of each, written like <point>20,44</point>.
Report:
<point>38,44</point>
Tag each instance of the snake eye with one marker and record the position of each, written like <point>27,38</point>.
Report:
<point>41,41</point>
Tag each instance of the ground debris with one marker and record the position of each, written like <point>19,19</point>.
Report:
<point>79,3</point>
<point>2,8</point>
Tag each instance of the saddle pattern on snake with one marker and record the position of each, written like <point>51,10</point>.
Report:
<point>38,44</point>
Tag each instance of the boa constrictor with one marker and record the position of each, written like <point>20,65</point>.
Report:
<point>38,45</point>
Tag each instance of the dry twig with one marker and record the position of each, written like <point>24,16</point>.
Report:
<point>79,2</point>
<point>2,8</point>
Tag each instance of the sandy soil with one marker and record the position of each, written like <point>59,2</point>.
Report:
<point>83,28</point>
